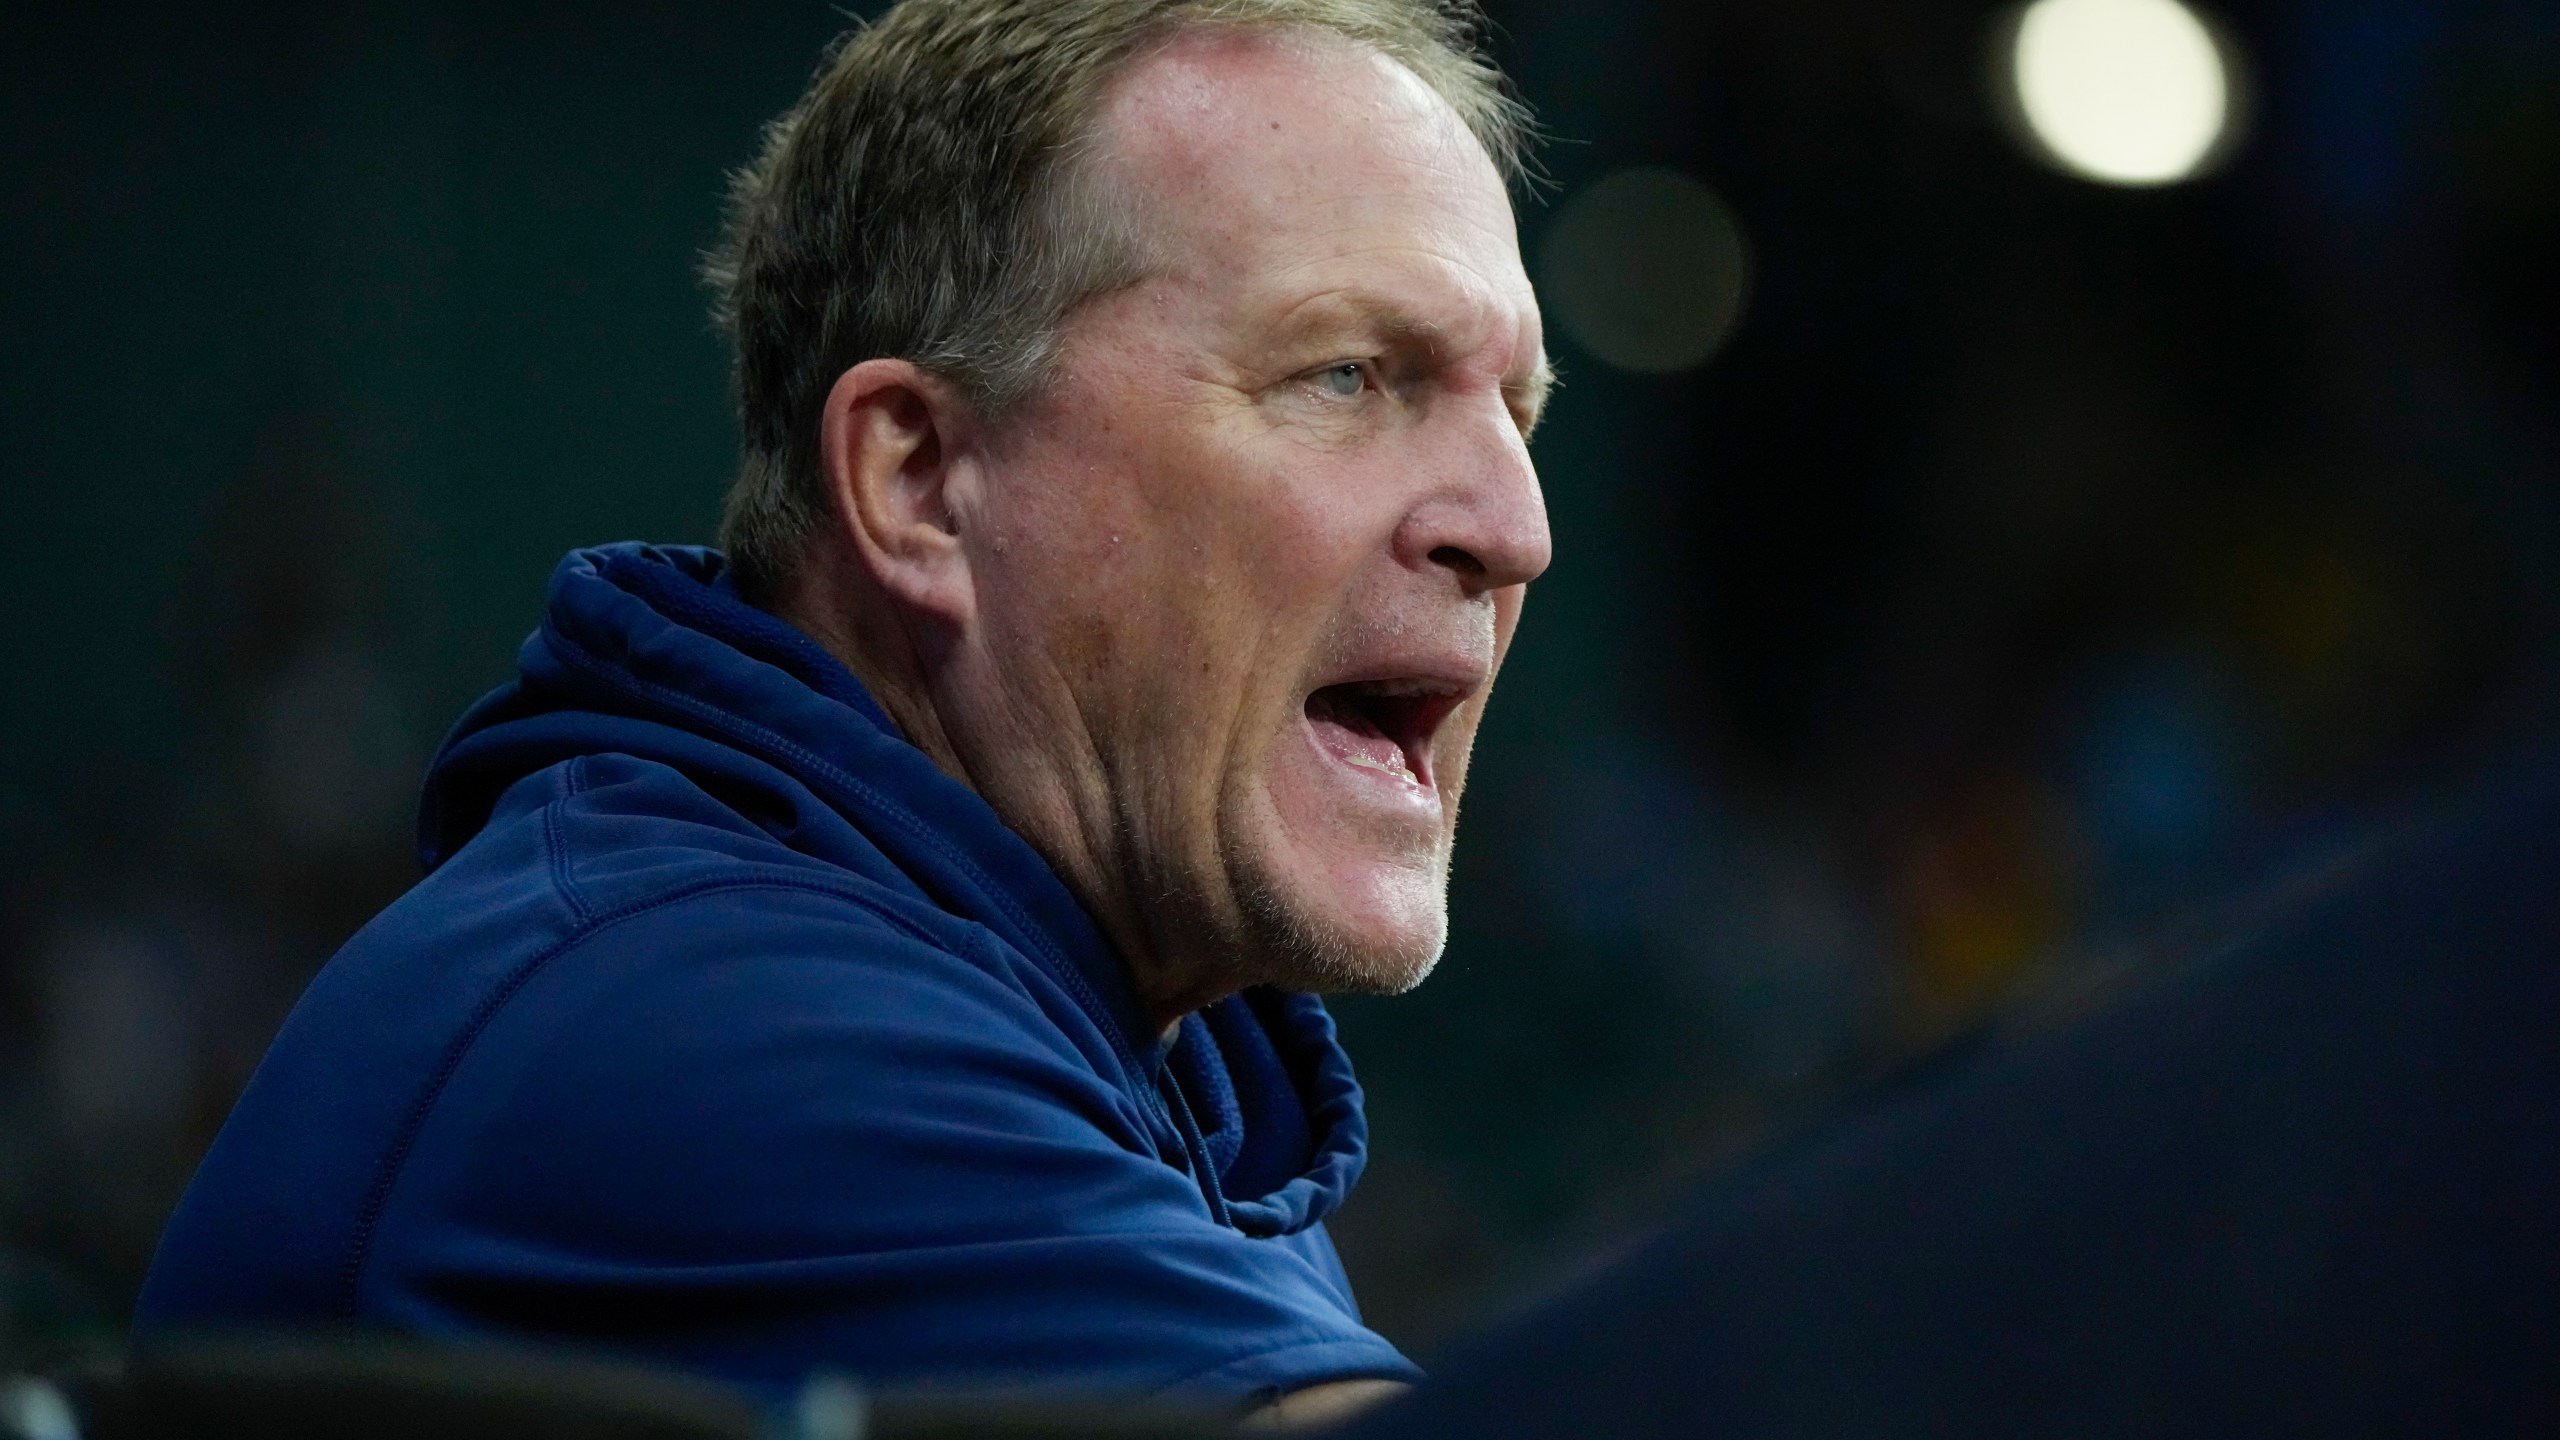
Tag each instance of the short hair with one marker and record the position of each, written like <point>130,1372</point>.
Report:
<point>922,201</point>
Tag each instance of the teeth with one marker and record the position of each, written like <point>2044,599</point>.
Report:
<point>1398,768</point>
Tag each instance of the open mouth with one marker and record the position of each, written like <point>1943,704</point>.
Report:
<point>1384,725</point>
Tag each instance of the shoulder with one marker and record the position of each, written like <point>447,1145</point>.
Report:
<point>749,1065</point>
<point>618,986</point>
<point>608,856</point>
<point>697,931</point>
<point>711,981</point>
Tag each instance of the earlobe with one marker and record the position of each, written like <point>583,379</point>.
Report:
<point>888,440</point>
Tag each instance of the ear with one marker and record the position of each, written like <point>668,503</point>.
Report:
<point>889,439</point>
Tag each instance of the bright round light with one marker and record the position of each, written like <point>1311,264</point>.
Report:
<point>2130,92</point>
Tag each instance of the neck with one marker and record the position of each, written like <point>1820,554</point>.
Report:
<point>850,622</point>
<point>858,625</point>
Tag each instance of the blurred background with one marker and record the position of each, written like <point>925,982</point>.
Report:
<point>2019,477</point>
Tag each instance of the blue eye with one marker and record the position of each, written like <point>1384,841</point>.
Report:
<point>1346,379</point>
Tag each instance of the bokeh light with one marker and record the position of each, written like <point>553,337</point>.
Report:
<point>1647,269</point>
<point>2125,92</point>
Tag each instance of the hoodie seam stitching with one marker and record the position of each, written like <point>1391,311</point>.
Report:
<point>1195,1147</point>
<point>558,848</point>
<point>404,1141</point>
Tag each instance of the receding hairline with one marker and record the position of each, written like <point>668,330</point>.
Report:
<point>1303,39</point>
<point>1106,145</point>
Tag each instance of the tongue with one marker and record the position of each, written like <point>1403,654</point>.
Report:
<point>1352,736</point>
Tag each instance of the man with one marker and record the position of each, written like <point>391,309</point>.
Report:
<point>889,948</point>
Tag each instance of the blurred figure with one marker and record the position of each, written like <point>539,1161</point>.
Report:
<point>169,936</point>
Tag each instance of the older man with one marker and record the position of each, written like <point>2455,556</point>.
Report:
<point>888,948</point>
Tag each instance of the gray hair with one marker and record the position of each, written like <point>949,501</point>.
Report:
<point>922,201</point>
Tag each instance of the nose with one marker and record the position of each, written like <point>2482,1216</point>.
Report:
<point>1482,518</point>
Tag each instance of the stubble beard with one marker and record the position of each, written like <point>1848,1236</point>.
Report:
<point>1233,914</point>
<point>1286,946</point>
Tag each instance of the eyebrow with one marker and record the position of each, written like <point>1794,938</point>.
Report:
<point>1533,393</point>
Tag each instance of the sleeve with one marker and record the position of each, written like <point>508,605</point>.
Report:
<point>762,1132</point>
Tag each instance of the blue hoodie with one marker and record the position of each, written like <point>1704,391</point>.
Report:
<point>726,1030</point>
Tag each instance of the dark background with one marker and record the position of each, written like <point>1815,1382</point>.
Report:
<point>2035,562</point>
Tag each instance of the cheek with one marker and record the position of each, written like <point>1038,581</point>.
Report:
<point>1507,605</point>
<point>1164,642</point>
<point>1181,583</point>
<point>1244,570</point>
<point>1451,752</point>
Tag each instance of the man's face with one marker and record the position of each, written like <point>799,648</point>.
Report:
<point>1245,573</point>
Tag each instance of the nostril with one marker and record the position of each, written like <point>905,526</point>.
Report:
<point>1456,559</point>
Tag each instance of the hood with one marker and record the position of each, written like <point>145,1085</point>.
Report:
<point>649,651</point>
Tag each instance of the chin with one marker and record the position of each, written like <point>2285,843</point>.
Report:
<point>1381,939</point>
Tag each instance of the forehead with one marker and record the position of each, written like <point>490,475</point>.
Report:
<point>1288,165</point>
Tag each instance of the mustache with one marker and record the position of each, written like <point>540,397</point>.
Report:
<point>1436,636</point>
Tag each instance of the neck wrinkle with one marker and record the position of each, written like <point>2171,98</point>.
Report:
<point>860,631</point>
<point>814,601</point>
